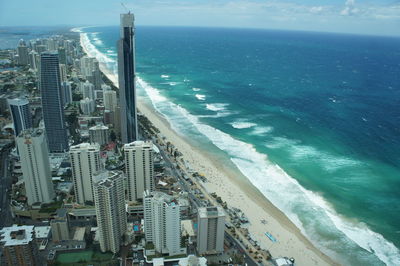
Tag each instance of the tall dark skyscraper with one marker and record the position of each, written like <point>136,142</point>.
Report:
<point>21,114</point>
<point>126,78</point>
<point>52,102</point>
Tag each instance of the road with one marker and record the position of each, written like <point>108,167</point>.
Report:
<point>5,184</point>
<point>185,187</point>
<point>235,243</point>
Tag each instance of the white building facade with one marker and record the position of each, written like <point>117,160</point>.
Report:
<point>87,106</point>
<point>110,99</point>
<point>139,168</point>
<point>85,160</point>
<point>35,164</point>
<point>210,230</point>
<point>99,134</point>
<point>162,223</point>
<point>109,194</point>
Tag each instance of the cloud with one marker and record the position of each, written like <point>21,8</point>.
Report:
<point>349,9</point>
<point>316,9</point>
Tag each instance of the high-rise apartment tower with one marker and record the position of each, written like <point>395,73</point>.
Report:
<point>35,164</point>
<point>109,198</point>
<point>139,169</point>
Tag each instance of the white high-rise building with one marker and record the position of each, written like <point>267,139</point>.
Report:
<point>139,168</point>
<point>23,56</point>
<point>88,65</point>
<point>110,100</point>
<point>109,198</point>
<point>63,72</point>
<point>87,106</point>
<point>35,164</point>
<point>162,223</point>
<point>99,134</point>
<point>66,92</point>
<point>33,59</point>
<point>85,160</point>
<point>210,230</point>
<point>87,90</point>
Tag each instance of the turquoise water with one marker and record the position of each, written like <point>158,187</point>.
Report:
<point>311,119</point>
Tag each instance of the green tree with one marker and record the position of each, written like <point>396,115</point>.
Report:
<point>113,136</point>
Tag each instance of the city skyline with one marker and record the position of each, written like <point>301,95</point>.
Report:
<point>344,16</point>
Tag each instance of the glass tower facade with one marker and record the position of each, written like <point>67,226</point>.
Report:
<point>126,78</point>
<point>21,114</point>
<point>52,102</point>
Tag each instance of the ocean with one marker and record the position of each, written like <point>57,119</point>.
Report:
<point>311,119</point>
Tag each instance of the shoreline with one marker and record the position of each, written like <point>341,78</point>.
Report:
<point>234,188</point>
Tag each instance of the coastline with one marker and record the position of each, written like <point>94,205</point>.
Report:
<point>234,188</point>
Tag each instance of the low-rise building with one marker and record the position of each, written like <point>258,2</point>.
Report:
<point>60,226</point>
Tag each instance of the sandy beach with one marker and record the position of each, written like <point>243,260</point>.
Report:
<point>234,188</point>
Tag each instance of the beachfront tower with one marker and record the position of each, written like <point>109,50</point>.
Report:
<point>109,197</point>
<point>210,230</point>
<point>162,223</point>
<point>139,168</point>
<point>52,102</point>
<point>21,114</point>
<point>35,164</point>
<point>126,78</point>
<point>85,160</point>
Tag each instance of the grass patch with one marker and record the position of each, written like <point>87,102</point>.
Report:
<point>88,257</point>
<point>149,246</point>
<point>75,257</point>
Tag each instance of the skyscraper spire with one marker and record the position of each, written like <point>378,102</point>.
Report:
<point>126,77</point>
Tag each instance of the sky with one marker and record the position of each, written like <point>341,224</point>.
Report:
<point>373,17</point>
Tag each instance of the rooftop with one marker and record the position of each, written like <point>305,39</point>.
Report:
<point>139,143</point>
<point>29,133</point>
<point>105,178</point>
<point>187,227</point>
<point>98,127</point>
<point>42,231</point>
<point>18,101</point>
<point>79,233</point>
<point>85,146</point>
<point>17,235</point>
<point>207,212</point>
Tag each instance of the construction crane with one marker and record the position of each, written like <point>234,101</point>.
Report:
<point>122,4</point>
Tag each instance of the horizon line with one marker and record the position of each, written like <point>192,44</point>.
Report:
<point>206,27</point>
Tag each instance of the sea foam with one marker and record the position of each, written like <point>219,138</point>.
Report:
<point>200,97</point>
<point>259,130</point>
<point>242,124</point>
<point>216,106</point>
